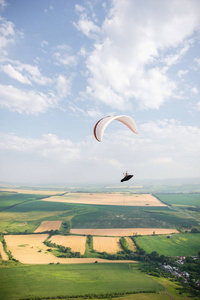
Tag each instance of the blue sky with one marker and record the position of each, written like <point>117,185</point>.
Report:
<point>65,64</point>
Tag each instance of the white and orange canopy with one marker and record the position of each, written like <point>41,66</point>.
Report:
<point>101,125</point>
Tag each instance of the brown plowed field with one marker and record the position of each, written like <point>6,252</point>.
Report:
<point>108,199</point>
<point>29,249</point>
<point>106,244</point>
<point>123,231</point>
<point>48,226</point>
<point>76,243</point>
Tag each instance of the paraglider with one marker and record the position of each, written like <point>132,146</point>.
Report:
<point>126,177</point>
<point>101,125</point>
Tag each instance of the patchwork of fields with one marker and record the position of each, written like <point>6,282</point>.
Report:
<point>30,249</point>
<point>104,216</point>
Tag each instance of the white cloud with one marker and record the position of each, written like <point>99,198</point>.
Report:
<point>22,101</point>
<point>63,56</point>
<point>33,73</point>
<point>88,27</point>
<point>49,146</point>
<point>181,73</point>
<point>125,64</point>
<point>85,24</point>
<point>13,73</point>
<point>198,105</point>
<point>3,4</point>
<point>63,86</point>
<point>197,60</point>
<point>25,73</point>
<point>195,90</point>
<point>44,43</point>
<point>7,35</point>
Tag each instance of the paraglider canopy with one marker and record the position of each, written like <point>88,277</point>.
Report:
<point>101,125</point>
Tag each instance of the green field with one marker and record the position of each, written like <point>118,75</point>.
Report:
<point>67,280</point>
<point>176,245</point>
<point>10,199</point>
<point>180,199</point>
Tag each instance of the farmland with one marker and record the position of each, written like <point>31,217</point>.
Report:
<point>57,280</point>
<point>123,231</point>
<point>76,243</point>
<point>106,244</point>
<point>177,244</point>
<point>70,223</point>
<point>48,226</point>
<point>30,249</point>
<point>180,199</point>
<point>125,199</point>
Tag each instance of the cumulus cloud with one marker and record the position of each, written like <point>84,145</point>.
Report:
<point>49,146</point>
<point>132,54</point>
<point>23,101</point>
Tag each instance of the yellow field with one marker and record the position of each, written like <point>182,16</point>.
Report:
<point>106,244</point>
<point>131,244</point>
<point>76,243</point>
<point>29,249</point>
<point>34,192</point>
<point>48,226</point>
<point>4,255</point>
<point>123,231</point>
<point>125,199</point>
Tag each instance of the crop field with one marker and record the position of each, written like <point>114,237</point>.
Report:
<point>48,226</point>
<point>69,280</point>
<point>125,199</point>
<point>106,244</point>
<point>8,199</point>
<point>181,199</point>
<point>123,231</point>
<point>132,217</point>
<point>76,243</point>
<point>30,249</point>
<point>176,245</point>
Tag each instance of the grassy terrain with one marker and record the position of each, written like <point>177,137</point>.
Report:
<point>176,245</point>
<point>54,280</point>
<point>132,217</point>
<point>180,199</point>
